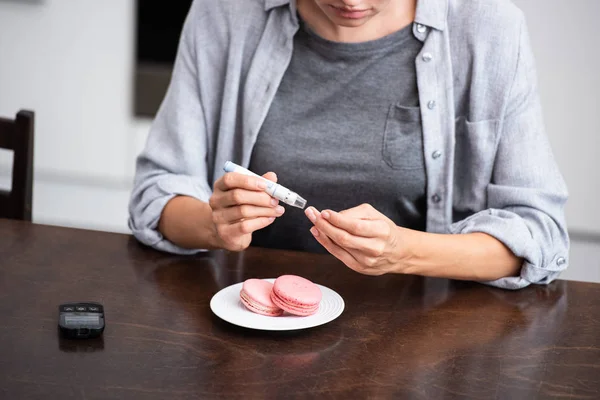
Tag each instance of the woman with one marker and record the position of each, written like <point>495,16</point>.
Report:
<point>418,121</point>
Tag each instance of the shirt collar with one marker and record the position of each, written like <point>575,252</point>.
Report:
<point>432,13</point>
<point>275,3</point>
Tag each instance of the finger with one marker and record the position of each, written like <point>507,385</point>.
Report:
<point>234,180</point>
<point>324,226</point>
<point>272,176</point>
<point>355,260</point>
<point>312,214</point>
<point>237,197</point>
<point>232,214</point>
<point>338,252</point>
<point>365,211</point>
<point>245,227</point>
<point>363,227</point>
<point>344,238</point>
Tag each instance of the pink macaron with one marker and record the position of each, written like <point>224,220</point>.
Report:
<point>256,296</point>
<point>296,295</point>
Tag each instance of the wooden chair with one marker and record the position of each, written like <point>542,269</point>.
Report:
<point>17,135</point>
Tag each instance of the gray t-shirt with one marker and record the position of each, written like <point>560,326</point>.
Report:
<point>345,129</point>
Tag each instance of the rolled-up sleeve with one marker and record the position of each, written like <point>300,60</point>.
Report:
<point>173,160</point>
<point>527,194</point>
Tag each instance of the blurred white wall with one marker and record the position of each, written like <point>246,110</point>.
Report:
<point>71,61</point>
<point>564,35</point>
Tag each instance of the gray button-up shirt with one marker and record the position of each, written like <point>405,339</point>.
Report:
<point>488,161</point>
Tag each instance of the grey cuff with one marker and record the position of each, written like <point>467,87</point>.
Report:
<point>540,266</point>
<point>144,226</point>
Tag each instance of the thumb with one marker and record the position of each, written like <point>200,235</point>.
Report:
<point>272,176</point>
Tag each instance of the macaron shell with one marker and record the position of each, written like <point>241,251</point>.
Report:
<point>256,296</point>
<point>257,308</point>
<point>293,308</point>
<point>296,295</point>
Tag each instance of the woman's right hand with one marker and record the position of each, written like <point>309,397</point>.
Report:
<point>240,206</point>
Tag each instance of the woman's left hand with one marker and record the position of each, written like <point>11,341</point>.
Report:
<point>361,237</point>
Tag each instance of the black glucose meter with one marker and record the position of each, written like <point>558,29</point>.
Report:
<point>81,320</point>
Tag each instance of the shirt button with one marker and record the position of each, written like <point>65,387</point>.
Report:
<point>436,198</point>
<point>436,154</point>
<point>427,57</point>
<point>421,28</point>
<point>431,105</point>
<point>561,261</point>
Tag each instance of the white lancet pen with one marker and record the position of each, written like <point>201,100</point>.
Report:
<point>273,189</point>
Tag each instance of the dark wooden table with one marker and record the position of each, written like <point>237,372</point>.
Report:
<point>399,336</point>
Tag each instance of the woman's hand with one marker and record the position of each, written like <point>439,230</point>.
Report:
<point>361,237</point>
<point>370,243</point>
<point>239,207</point>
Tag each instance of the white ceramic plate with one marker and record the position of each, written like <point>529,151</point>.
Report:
<point>226,305</point>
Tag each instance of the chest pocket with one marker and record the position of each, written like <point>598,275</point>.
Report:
<point>403,138</point>
<point>475,152</point>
